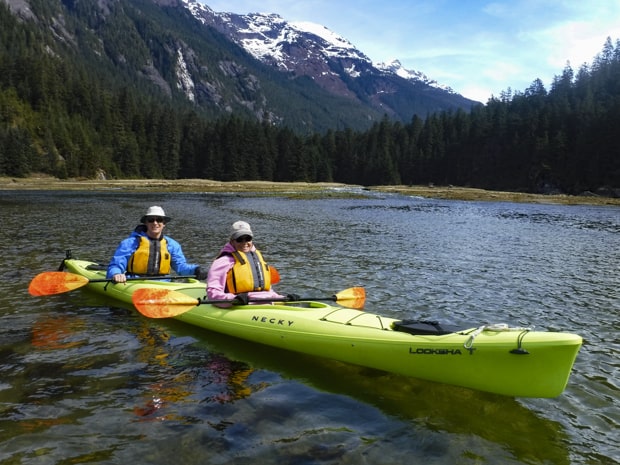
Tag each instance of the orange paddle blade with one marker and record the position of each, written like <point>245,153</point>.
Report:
<point>275,276</point>
<point>162,303</point>
<point>354,297</point>
<point>55,282</point>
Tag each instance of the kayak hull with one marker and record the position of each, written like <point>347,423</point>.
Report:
<point>488,364</point>
<point>514,362</point>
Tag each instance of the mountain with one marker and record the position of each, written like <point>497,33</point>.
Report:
<point>312,50</point>
<point>299,75</point>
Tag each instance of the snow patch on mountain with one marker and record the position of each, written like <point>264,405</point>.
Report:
<point>336,45</point>
<point>268,37</point>
<point>396,67</point>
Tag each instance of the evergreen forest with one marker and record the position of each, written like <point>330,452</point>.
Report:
<point>59,118</point>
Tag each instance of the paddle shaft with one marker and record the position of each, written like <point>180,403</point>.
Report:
<point>141,278</point>
<point>274,299</point>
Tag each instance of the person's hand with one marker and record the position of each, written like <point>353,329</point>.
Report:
<point>200,273</point>
<point>242,299</point>
<point>293,297</point>
<point>119,278</point>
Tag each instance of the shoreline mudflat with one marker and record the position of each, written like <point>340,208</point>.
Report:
<point>470,193</point>
<point>293,188</point>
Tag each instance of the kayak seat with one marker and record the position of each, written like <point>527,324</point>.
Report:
<point>428,328</point>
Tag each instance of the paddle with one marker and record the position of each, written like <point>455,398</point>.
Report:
<point>164,303</point>
<point>57,282</point>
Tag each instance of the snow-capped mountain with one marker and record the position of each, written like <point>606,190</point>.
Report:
<point>260,66</point>
<point>312,50</point>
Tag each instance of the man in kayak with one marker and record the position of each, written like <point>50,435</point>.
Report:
<point>239,273</point>
<point>148,252</point>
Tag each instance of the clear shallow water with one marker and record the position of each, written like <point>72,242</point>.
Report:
<point>86,381</point>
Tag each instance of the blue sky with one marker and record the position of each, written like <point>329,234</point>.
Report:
<point>479,48</point>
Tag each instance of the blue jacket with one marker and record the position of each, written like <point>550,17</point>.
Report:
<point>128,246</point>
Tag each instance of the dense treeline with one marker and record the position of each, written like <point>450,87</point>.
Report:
<point>58,118</point>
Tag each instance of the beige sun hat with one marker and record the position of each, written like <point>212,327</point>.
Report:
<point>155,211</point>
<point>240,228</point>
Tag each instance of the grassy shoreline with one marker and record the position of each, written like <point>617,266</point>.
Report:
<point>293,188</point>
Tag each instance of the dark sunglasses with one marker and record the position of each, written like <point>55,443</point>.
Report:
<point>244,239</point>
<point>152,219</point>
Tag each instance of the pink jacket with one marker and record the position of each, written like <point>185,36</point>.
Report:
<point>216,280</point>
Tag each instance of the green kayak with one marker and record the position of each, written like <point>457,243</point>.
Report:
<point>500,359</point>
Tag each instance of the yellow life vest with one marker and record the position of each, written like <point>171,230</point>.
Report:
<point>249,273</point>
<point>150,258</point>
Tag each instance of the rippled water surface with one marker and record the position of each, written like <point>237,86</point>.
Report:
<point>87,381</point>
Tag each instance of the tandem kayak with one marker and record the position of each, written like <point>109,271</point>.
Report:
<point>516,362</point>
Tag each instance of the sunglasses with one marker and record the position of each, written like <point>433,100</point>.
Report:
<point>244,239</point>
<point>152,219</point>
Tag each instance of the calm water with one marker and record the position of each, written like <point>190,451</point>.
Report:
<point>83,380</point>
